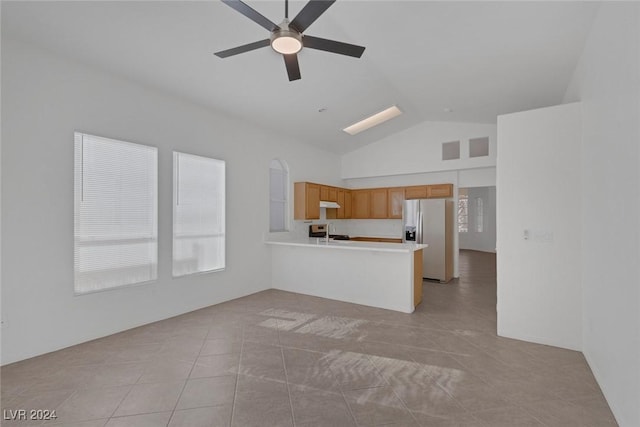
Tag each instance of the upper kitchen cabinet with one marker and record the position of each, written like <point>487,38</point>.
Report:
<point>379,206</point>
<point>396,200</point>
<point>361,203</point>
<point>328,194</point>
<point>306,197</point>
<point>344,200</point>
<point>348,199</point>
<point>428,191</point>
<point>415,192</point>
<point>439,191</point>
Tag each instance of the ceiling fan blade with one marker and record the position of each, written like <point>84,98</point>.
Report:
<point>309,13</point>
<point>243,48</point>
<point>252,14</point>
<point>332,46</point>
<point>293,69</point>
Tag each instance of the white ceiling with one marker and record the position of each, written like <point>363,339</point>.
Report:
<point>480,59</point>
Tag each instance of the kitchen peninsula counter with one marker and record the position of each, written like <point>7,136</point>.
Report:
<point>377,274</point>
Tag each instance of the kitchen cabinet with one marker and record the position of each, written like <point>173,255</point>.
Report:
<point>324,192</point>
<point>328,194</point>
<point>347,204</point>
<point>361,203</point>
<point>379,203</point>
<point>396,199</point>
<point>306,199</point>
<point>333,195</point>
<point>415,192</point>
<point>343,198</point>
<point>337,213</point>
<point>439,191</point>
<point>417,277</point>
<point>428,191</point>
<point>340,211</point>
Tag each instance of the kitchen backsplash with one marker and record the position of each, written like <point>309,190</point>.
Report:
<point>352,227</point>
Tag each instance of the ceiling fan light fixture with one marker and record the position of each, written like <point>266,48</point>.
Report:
<point>286,42</point>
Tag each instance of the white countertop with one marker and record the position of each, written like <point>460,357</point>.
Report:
<point>348,244</point>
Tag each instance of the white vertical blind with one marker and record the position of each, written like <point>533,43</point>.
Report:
<point>115,213</point>
<point>479,215</point>
<point>463,212</point>
<point>278,179</point>
<point>198,214</point>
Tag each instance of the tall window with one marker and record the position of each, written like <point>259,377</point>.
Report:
<point>278,191</point>
<point>463,213</point>
<point>115,213</point>
<point>198,214</point>
<point>479,215</point>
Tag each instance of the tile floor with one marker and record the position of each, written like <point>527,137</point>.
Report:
<point>283,359</point>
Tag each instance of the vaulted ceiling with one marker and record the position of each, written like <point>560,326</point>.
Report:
<point>477,59</point>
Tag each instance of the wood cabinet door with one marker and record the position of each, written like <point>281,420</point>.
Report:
<point>415,192</point>
<point>333,194</point>
<point>439,190</point>
<point>312,202</point>
<point>341,209</point>
<point>347,204</point>
<point>324,193</point>
<point>379,203</point>
<point>361,201</point>
<point>396,200</point>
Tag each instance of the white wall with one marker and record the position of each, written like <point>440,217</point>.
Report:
<point>483,177</point>
<point>486,239</point>
<point>539,192</point>
<point>46,98</point>
<point>418,150</point>
<point>607,82</point>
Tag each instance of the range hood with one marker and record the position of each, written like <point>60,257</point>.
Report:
<point>325,204</point>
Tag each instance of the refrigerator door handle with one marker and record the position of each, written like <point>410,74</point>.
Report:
<point>419,228</point>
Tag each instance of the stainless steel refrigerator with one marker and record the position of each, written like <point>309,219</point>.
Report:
<point>430,221</point>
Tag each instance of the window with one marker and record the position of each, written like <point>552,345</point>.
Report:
<point>198,214</point>
<point>115,213</point>
<point>451,150</point>
<point>479,147</point>
<point>463,213</point>
<point>278,191</point>
<point>479,215</point>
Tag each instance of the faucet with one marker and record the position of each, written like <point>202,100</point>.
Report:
<point>327,233</point>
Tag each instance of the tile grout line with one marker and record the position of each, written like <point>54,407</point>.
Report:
<point>173,411</point>
<point>235,390</point>
<point>286,377</point>
<point>404,405</point>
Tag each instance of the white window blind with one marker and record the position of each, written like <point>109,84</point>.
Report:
<point>198,214</point>
<point>115,213</point>
<point>278,206</point>
<point>463,213</point>
<point>479,215</point>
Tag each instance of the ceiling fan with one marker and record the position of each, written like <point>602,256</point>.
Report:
<point>287,38</point>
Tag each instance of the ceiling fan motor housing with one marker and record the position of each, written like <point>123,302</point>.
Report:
<point>286,40</point>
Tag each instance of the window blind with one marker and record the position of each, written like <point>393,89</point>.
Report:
<point>198,214</point>
<point>115,213</point>
<point>278,178</point>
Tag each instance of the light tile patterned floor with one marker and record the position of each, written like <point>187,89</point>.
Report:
<point>282,359</point>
